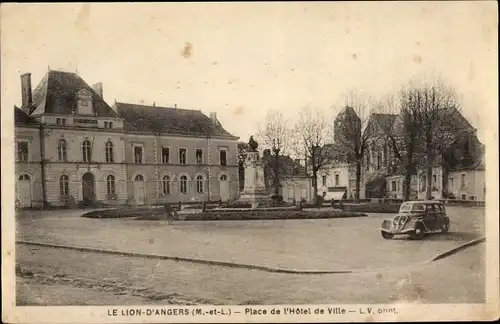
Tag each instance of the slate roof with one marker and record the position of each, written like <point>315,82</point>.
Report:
<point>166,120</point>
<point>57,93</point>
<point>344,112</point>
<point>20,117</point>
<point>288,166</point>
<point>385,121</point>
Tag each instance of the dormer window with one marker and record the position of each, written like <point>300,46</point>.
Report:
<point>84,103</point>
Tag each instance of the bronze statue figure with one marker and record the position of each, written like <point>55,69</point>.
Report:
<point>253,144</point>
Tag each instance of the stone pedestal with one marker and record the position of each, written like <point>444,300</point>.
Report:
<point>255,187</point>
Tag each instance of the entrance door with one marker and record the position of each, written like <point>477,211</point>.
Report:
<point>24,190</point>
<point>224,188</point>
<point>139,189</point>
<point>88,191</point>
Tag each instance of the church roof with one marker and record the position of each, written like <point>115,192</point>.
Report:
<point>167,120</point>
<point>57,93</point>
<point>385,121</point>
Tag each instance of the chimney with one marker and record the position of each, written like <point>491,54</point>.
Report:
<point>27,99</point>
<point>213,117</point>
<point>98,89</point>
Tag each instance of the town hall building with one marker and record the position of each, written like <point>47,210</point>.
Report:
<point>74,148</point>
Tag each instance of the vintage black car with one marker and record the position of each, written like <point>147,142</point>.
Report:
<point>416,219</point>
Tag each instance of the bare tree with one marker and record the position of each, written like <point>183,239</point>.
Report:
<point>274,135</point>
<point>312,139</point>
<point>352,133</point>
<point>437,111</point>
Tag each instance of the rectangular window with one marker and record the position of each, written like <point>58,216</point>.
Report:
<point>22,151</point>
<point>398,185</point>
<point>110,125</point>
<point>393,185</point>
<point>182,155</point>
<point>165,155</point>
<point>138,158</point>
<point>434,180</point>
<point>61,121</point>
<point>223,157</point>
<point>452,184</point>
<point>324,180</point>
<point>105,124</point>
<point>423,183</point>
<point>199,156</point>
<point>337,180</point>
<point>463,182</point>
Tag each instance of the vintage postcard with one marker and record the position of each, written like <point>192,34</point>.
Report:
<point>249,162</point>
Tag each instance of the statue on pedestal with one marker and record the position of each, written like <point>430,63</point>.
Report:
<point>254,190</point>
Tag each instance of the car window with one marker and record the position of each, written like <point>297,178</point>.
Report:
<point>405,208</point>
<point>418,208</point>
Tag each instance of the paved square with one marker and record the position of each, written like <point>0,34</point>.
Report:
<point>325,244</point>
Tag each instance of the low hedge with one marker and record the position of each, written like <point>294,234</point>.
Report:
<point>156,214</point>
<point>256,214</point>
<point>124,213</point>
<point>372,208</point>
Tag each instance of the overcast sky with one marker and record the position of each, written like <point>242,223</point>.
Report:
<point>242,59</point>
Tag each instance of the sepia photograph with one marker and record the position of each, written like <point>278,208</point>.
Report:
<point>249,162</point>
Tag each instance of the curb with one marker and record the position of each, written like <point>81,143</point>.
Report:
<point>250,266</point>
<point>458,248</point>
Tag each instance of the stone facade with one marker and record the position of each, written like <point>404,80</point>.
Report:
<point>72,147</point>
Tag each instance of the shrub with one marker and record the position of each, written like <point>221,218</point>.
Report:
<point>277,197</point>
<point>271,214</point>
<point>159,214</point>
<point>372,208</point>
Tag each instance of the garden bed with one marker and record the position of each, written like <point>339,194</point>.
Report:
<point>125,212</point>
<point>158,214</point>
<point>372,208</point>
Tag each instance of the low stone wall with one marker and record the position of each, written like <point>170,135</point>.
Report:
<point>465,203</point>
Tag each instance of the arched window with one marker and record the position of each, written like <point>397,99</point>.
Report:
<point>109,152</point>
<point>86,151</point>
<point>166,185</point>
<point>62,150</point>
<point>199,184</point>
<point>139,177</point>
<point>183,182</point>
<point>223,177</point>
<point>64,185</point>
<point>24,177</point>
<point>110,184</point>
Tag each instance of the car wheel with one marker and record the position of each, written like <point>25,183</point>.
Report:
<point>419,232</point>
<point>386,235</point>
<point>445,227</point>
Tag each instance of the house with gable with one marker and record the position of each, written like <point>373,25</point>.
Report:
<point>457,173</point>
<point>296,184</point>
